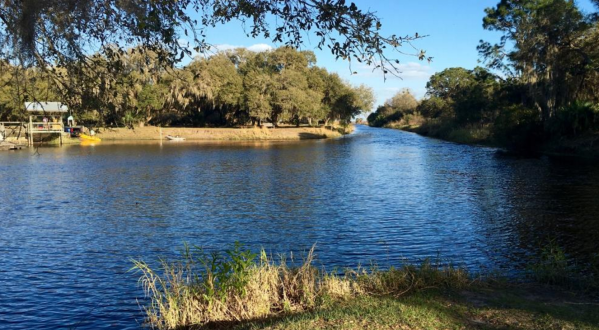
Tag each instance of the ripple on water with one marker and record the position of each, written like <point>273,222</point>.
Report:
<point>73,217</point>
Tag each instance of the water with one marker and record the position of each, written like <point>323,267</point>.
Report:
<point>72,218</point>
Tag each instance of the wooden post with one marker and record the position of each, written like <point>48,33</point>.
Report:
<point>30,131</point>
<point>61,130</point>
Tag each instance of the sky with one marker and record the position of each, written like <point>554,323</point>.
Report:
<point>453,29</point>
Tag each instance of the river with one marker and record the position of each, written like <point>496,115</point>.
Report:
<point>72,217</point>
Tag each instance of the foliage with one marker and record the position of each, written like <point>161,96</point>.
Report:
<point>552,266</point>
<point>575,119</point>
<point>550,45</point>
<point>63,37</point>
<point>202,287</point>
<point>460,94</point>
<point>436,107</point>
<point>348,31</point>
<point>548,88</point>
<point>227,89</point>
<point>401,104</point>
<point>519,128</point>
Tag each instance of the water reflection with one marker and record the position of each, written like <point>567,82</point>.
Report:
<point>73,217</point>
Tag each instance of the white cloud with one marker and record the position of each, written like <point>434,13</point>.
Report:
<point>392,89</point>
<point>218,48</point>
<point>414,70</point>
<point>258,48</point>
<point>222,47</point>
<point>406,71</point>
<point>254,48</point>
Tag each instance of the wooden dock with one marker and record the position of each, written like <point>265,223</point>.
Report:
<point>44,129</point>
<point>14,132</point>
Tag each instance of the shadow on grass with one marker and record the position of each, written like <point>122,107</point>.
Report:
<point>435,309</point>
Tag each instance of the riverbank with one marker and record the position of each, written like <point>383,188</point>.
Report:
<point>242,290</point>
<point>581,147</point>
<point>525,307</point>
<point>236,134</point>
<point>151,133</point>
<point>462,135</point>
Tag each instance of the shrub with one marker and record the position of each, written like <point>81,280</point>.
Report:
<point>520,128</point>
<point>202,288</point>
<point>577,118</point>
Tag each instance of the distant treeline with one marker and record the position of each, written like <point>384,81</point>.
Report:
<point>544,84</point>
<point>236,87</point>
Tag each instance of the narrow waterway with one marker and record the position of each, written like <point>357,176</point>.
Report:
<point>71,218</point>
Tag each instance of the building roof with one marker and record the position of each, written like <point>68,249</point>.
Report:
<point>45,107</point>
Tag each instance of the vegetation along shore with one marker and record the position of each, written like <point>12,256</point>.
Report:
<point>540,96</point>
<point>195,133</point>
<point>239,289</point>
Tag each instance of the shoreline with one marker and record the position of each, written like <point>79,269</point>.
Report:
<point>217,134</point>
<point>265,294</point>
<point>576,149</point>
<point>200,134</point>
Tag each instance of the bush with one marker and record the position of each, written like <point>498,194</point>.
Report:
<point>552,265</point>
<point>202,288</point>
<point>577,118</point>
<point>519,128</point>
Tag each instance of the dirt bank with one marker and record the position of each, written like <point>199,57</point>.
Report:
<point>153,133</point>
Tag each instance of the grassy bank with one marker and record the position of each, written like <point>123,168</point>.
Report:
<point>242,290</point>
<point>583,146</point>
<point>472,134</point>
<point>478,308</point>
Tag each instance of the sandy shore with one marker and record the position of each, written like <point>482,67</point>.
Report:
<point>152,133</point>
<point>239,134</point>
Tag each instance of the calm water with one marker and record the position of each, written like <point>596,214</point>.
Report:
<point>71,218</point>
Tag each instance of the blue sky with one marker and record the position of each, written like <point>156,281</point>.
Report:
<point>454,28</point>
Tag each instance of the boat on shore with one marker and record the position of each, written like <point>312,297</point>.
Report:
<point>175,138</point>
<point>85,137</point>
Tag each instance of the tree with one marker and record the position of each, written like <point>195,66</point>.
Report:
<point>347,30</point>
<point>62,36</point>
<point>547,39</point>
<point>403,101</point>
<point>257,87</point>
<point>466,96</point>
<point>394,109</point>
<point>227,87</point>
<point>351,102</point>
<point>436,107</point>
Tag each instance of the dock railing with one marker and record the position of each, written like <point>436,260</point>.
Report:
<point>16,129</point>
<point>44,128</point>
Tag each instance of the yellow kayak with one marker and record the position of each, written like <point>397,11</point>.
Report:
<point>86,137</point>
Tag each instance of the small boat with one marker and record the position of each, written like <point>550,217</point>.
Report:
<point>175,138</point>
<point>85,137</point>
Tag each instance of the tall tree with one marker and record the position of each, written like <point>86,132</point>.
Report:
<point>53,34</point>
<point>542,44</point>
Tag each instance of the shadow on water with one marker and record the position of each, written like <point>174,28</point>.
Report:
<point>311,136</point>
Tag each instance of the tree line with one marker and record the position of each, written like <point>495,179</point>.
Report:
<point>540,83</point>
<point>232,88</point>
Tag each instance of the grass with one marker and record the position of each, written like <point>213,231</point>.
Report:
<point>439,309</point>
<point>472,134</point>
<point>242,290</point>
<point>204,288</point>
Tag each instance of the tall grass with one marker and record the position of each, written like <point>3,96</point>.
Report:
<point>239,285</point>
